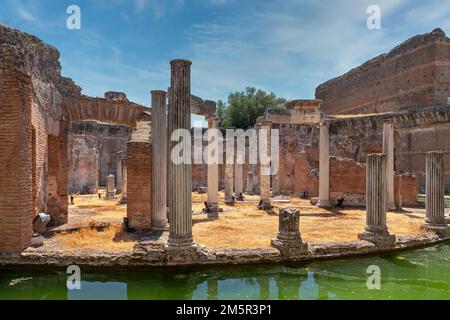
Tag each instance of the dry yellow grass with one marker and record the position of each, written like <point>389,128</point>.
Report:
<point>240,226</point>
<point>112,238</point>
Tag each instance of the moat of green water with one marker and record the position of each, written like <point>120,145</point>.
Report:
<point>420,274</point>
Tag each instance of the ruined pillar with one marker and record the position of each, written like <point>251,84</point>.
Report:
<point>275,185</point>
<point>213,168</point>
<point>119,181</point>
<point>388,150</point>
<point>324,166</point>
<point>434,205</point>
<point>159,160</point>
<point>229,181</point>
<point>289,240</point>
<point>124,198</point>
<point>180,232</point>
<point>110,193</point>
<point>265,167</point>
<point>239,181</point>
<point>376,230</point>
<point>249,187</point>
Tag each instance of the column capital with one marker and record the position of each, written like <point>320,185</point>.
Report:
<point>180,62</point>
<point>387,121</point>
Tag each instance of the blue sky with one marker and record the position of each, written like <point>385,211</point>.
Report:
<point>284,46</point>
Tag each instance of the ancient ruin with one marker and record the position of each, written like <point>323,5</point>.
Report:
<point>372,140</point>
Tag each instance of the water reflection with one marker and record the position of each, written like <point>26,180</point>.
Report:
<point>422,274</point>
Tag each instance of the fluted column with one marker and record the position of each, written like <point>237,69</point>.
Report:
<point>159,160</point>
<point>180,231</point>
<point>388,150</point>
<point>324,166</point>
<point>213,168</point>
<point>239,181</point>
<point>265,167</point>
<point>376,229</point>
<point>435,207</point>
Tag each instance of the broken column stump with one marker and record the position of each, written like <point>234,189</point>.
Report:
<point>289,240</point>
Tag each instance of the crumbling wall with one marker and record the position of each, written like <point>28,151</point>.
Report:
<point>414,73</point>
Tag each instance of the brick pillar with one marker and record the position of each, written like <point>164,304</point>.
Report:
<point>213,168</point>
<point>159,151</point>
<point>324,167</point>
<point>435,202</point>
<point>16,190</point>
<point>376,230</point>
<point>139,178</point>
<point>180,231</point>
<point>388,150</point>
<point>265,167</point>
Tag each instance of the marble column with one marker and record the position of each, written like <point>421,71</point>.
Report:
<point>119,181</point>
<point>213,168</point>
<point>388,150</point>
<point>324,166</point>
<point>239,181</point>
<point>435,206</point>
<point>265,168</point>
<point>180,231</point>
<point>376,230</point>
<point>249,187</point>
<point>159,160</point>
<point>110,193</point>
<point>275,185</point>
<point>289,240</point>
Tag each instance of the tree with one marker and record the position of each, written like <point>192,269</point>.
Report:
<point>244,108</point>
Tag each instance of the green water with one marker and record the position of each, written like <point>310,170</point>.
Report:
<point>421,274</point>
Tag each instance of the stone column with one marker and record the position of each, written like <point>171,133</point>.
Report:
<point>110,194</point>
<point>180,231</point>
<point>159,160</point>
<point>435,206</point>
<point>239,181</point>
<point>229,182</point>
<point>249,188</point>
<point>265,169</point>
<point>275,185</point>
<point>324,166</point>
<point>376,230</point>
<point>213,168</point>
<point>388,150</point>
<point>124,198</point>
<point>119,181</point>
<point>289,240</point>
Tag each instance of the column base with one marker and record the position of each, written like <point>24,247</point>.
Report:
<point>265,205</point>
<point>240,197</point>
<point>160,225</point>
<point>324,204</point>
<point>180,255</point>
<point>212,210</point>
<point>290,248</point>
<point>443,230</point>
<point>230,200</point>
<point>379,239</point>
<point>110,196</point>
<point>391,207</point>
<point>180,242</point>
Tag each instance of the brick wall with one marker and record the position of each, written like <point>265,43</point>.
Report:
<point>139,172</point>
<point>16,205</point>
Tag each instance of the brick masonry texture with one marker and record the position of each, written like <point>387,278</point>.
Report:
<point>412,74</point>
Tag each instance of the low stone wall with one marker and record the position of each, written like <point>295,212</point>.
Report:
<point>152,254</point>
